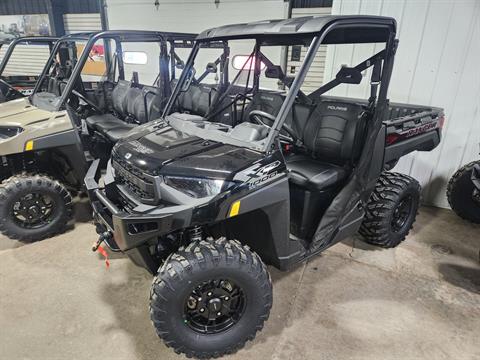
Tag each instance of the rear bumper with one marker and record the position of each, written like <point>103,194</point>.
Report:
<point>132,233</point>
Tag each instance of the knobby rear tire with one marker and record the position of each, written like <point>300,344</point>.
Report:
<point>391,189</point>
<point>460,194</point>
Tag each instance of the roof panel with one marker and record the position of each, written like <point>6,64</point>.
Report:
<point>308,26</point>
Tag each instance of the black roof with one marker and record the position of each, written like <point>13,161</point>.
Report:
<point>308,26</point>
<point>132,35</point>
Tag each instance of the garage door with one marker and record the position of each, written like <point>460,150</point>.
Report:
<point>26,60</point>
<point>29,60</point>
<point>75,23</point>
<point>296,54</point>
<point>194,16</point>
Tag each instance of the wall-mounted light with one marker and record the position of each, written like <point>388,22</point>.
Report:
<point>157,4</point>
<point>217,3</point>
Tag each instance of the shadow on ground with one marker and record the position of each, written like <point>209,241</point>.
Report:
<point>465,277</point>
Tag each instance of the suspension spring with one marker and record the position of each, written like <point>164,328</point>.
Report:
<point>195,233</point>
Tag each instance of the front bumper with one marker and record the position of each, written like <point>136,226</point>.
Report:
<point>132,233</point>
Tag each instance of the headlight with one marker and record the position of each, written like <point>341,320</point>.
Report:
<point>197,187</point>
<point>7,132</point>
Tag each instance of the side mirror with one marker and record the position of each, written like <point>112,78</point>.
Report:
<point>288,80</point>
<point>188,80</point>
<point>211,68</point>
<point>348,75</point>
<point>274,72</point>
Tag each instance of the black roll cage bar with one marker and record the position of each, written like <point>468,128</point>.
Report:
<point>176,40</point>
<point>382,78</point>
<point>27,40</point>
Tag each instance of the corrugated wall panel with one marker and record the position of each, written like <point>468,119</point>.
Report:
<point>436,64</point>
<point>23,7</point>
<point>82,23</point>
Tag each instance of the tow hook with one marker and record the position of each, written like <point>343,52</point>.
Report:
<point>101,238</point>
<point>97,246</point>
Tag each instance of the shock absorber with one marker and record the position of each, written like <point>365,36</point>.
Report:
<point>195,233</point>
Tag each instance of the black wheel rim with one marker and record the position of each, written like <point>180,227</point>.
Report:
<point>214,306</point>
<point>33,210</point>
<point>402,213</point>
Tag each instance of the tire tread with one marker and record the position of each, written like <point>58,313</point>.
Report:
<point>17,182</point>
<point>457,205</point>
<point>209,253</point>
<point>390,186</point>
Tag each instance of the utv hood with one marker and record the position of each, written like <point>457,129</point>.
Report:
<point>166,151</point>
<point>21,113</point>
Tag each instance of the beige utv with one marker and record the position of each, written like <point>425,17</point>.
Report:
<point>47,139</point>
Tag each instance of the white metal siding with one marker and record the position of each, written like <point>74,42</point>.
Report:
<point>75,23</point>
<point>437,64</point>
<point>314,77</point>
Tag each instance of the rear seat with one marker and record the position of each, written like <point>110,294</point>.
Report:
<point>128,104</point>
<point>197,99</point>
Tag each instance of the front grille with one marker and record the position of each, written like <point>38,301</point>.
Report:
<point>134,180</point>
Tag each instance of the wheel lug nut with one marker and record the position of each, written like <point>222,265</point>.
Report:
<point>202,310</point>
<point>219,313</point>
<point>209,294</point>
<point>226,298</point>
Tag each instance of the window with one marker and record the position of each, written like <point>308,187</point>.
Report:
<point>296,53</point>
<point>135,57</point>
<point>95,67</point>
<point>239,62</point>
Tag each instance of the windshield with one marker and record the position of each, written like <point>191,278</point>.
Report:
<point>73,79</point>
<point>58,71</point>
<point>237,91</point>
<point>234,88</point>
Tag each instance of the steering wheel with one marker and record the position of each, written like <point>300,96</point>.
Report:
<point>258,116</point>
<point>88,101</point>
<point>11,90</point>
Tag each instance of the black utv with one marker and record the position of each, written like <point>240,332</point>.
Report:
<point>94,89</point>
<point>239,173</point>
<point>18,68</point>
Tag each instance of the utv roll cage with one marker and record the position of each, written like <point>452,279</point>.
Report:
<point>312,32</point>
<point>176,40</point>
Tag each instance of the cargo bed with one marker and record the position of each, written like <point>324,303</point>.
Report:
<point>408,128</point>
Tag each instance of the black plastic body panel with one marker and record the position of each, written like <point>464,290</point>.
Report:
<point>66,143</point>
<point>423,142</point>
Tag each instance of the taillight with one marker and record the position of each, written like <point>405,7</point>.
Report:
<point>441,121</point>
<point>391,138</point>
